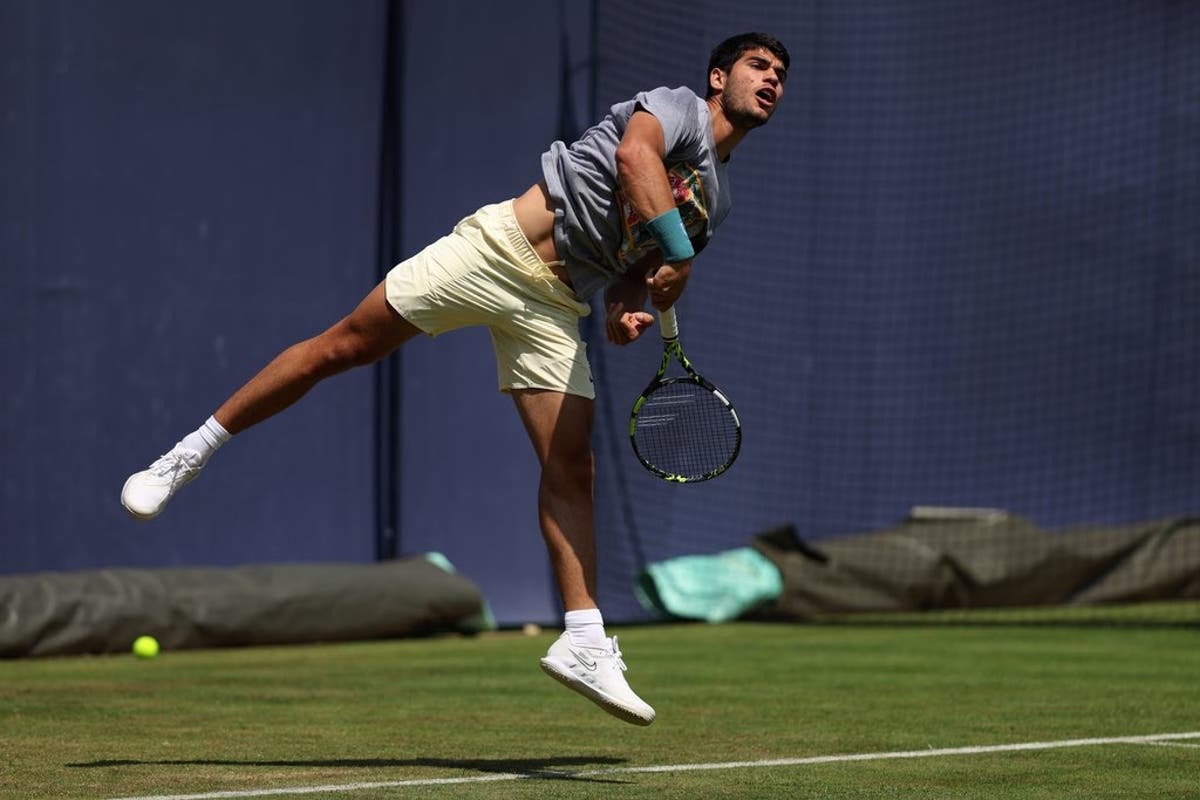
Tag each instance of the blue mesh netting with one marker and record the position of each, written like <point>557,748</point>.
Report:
<point>962,269</point>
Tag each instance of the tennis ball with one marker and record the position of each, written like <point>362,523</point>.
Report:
<point>145,647</point>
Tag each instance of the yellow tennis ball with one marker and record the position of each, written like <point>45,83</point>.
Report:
<point>145,647</point>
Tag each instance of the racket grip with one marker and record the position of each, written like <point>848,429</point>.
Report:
<point>669,327</point>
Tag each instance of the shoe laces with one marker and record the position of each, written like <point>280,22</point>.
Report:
<point>174,463</point>
<point>616,655</point>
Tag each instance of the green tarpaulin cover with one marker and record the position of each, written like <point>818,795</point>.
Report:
<point>100,611</point>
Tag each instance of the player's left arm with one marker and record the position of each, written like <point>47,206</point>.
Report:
<point>625,302</point>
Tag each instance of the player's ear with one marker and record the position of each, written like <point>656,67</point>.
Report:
<point>716,79</point>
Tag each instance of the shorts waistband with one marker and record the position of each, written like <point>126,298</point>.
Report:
<point>517,239</point>
<point>539,270</point>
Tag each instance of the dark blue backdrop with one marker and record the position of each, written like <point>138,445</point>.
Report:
<point>188,188</point>
<point>191,188</point>
<point>961,269</point>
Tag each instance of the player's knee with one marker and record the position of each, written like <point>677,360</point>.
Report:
<point>341,349</point>
<point>570,471</point>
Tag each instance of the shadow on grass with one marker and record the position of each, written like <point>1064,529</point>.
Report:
<point>556,767</point>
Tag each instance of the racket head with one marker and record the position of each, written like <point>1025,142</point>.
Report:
<point>684,430</point>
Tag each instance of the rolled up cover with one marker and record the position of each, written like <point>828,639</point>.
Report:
<point>100,611</point>
<point>937,559</point>
<point>937,562</point>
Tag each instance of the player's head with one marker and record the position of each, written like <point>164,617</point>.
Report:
<point>746,74</point>
<point>728,52</point>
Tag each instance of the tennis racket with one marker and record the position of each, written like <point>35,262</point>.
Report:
<point>683,428</point>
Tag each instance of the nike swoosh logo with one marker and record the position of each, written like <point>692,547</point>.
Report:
<point>582,659</point>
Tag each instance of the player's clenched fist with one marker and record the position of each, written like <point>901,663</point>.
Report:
<point>623,327</point>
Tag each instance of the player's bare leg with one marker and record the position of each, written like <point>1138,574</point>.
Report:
<point>560,427</point>
<point>366,335</point>
<point>369,333</point>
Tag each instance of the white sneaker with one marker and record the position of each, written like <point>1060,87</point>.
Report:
<point>595,672</point>
<point>146,493</point>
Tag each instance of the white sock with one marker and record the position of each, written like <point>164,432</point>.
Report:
<point>206,439</point>
<point>586,628</point>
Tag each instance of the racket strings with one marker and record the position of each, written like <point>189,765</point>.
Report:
<point>684,429</point>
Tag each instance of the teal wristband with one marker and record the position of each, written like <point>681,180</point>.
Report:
<point>671,237</point>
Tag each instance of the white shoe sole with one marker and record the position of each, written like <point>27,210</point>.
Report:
<point>132,512</point>
<point>564,676</point>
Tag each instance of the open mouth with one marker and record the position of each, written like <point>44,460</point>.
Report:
<point>766,96</point>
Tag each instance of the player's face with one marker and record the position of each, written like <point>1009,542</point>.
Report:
<point>752,89</point>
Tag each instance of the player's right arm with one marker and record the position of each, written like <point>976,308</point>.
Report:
<point>643,178</point>
<point>640,167</point>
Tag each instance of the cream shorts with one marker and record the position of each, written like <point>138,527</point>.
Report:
<point>486,273</point>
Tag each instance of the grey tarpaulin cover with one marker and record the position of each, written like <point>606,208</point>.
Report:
<point>53,613</point>
<point>953,559</point>
<point>986,561</point>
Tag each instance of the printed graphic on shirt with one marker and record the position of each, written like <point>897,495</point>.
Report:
<point>689,199</point>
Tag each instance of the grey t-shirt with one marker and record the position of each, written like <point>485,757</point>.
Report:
<point>596,231</point>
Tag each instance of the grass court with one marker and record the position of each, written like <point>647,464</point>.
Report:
<point>744,711</point>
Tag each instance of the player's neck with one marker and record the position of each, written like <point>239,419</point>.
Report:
<point>726,135</point>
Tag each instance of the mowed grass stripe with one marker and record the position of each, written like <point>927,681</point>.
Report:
<point>1158,738</point>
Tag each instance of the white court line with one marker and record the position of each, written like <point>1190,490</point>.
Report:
<point>1157,738</point>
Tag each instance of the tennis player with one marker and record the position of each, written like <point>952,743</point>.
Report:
<point>623,209</point>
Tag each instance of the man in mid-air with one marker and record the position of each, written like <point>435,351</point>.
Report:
<point>624,209</point>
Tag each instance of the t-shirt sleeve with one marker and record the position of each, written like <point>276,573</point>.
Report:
<point>678,111</point>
